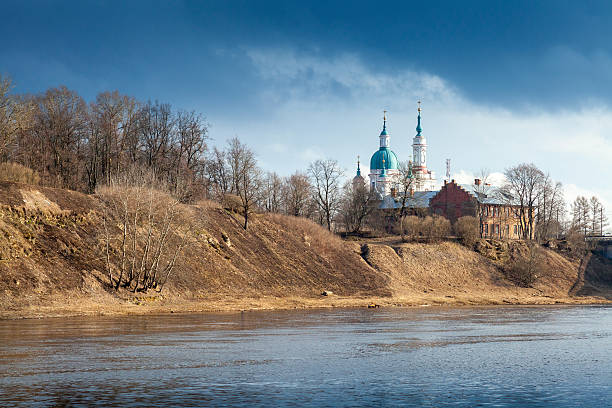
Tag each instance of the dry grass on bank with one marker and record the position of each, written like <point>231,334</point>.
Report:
<point>312,234</point>
<point>51,247</point>
<point>17,173</point>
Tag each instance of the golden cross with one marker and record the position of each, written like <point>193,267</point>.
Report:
<point>419,108</point>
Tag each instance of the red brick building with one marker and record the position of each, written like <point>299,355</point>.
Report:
<point>498,218</point>
<point>453,202</point>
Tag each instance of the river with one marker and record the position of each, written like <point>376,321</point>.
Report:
<point>427,357</point>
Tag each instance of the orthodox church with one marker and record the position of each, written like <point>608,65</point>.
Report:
<point>384,166</point>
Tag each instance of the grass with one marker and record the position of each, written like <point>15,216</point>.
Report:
<point>313,234</point>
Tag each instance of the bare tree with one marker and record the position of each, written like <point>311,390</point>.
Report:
<point>192,136</point>
<point>188,148</point>
<point>581,215</point>
<point>298,194</point>
<point>145,230</point>
<point>356,205</point>
<point>599,220</point>
<point>524,184</point>
<point>59,129</point>
<point>272,192</point>
<point>218,173</point>
<point>405,186</point>
<point>551,209</point>
<point>14,115</point>
<point>325,176</point>
<point>246,176</point>
<point>131,143</point>
<point>104,137</point>
<point>156,125</point>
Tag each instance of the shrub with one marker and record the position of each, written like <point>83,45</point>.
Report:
<point>575,242</point>
<point>411,227</point>
<point>524,269</point>
<point>17,173</point>
<point>440,228</point>
<point>145,230</point>
<point>232,202</point>
<point>467,230</point>
<point>430,229</point>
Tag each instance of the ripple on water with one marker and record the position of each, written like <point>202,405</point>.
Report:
<point>540,357</point>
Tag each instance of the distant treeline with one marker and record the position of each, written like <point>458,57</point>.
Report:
<point>70,143</point>
<point>60,140</point>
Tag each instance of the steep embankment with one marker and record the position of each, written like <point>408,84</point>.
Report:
<point>52,263</point>
<point>448,273</point>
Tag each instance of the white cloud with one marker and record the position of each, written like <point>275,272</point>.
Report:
<point>278,148</point>
<point>311,154</point>
<point>467,177</point>
<point>332,107</point>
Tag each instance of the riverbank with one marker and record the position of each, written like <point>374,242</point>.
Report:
<point>52,263</point>
<point>68,307</point>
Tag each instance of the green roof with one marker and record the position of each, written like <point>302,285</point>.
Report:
<point>390,159</point>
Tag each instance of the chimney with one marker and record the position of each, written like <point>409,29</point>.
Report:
<point>477,182</point>
<point>393,192</point>
<point>411,192</point>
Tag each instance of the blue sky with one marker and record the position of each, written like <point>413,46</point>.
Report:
<point>502,82</point>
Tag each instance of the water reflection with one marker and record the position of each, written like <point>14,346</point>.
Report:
<point>501,356</point>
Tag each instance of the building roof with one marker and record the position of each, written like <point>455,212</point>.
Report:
<point>384,130</point>
<point>489,195</point>
<point>419,199</point>
<point>384,156</point>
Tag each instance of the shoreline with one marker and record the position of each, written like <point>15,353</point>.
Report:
<point>265,303</point>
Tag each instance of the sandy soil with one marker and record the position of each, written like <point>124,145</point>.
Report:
<point>61,306</point>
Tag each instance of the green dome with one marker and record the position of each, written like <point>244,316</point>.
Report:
<point>376,162</point>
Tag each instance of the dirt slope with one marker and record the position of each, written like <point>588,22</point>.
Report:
<point>450,273</point>
<point>51,256</point>
<point>52,263</point>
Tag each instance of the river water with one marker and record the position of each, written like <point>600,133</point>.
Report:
<point>430,357</point>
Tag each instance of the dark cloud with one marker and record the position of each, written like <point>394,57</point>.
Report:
<point>511,54</point>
